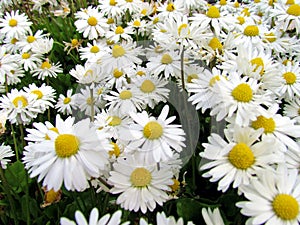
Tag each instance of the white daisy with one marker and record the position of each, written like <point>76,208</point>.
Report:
<point>47,69</point>
<point>152,89</point>
<point>140,187</point>
<point>125,99</point>
<point>91,23</point>
<point>169,9</point>
<point>8,63</point>
<point>13,76</point>
<point>26,42</point>
<point>292,109</point>
<point>87,74</point>
<point>273,198</point>
<point>42,45</point>
<point>45,95</point>
<point>14,25</point>
<point>239,158</point>
<point>5,152</point>
<point>93,52</point>
<point>66,104</point>
<point>30,60</point>
<point>21,107</point>
<point>155,139</point>
<point>107,219</point>
<point>39,132</point>
<point>111,8</point>
<point>118,33</point>
<point>72,156</point>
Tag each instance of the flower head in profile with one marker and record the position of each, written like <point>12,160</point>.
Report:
<point>5,152</point>
<point>71,155</point>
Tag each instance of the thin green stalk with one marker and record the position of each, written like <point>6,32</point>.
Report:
<point>92,104</point>
<point>9,196</point>
<point>27,201</point>
<point>15,142</point>
<point>22,135</point>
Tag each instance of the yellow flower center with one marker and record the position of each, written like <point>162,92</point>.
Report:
<point>191,77</point>
<point>92,21</point>
<point>241,19</point>
<point>115,151</point>
<point>285,206</point>
<point>294,10</point>
<point>14,41</point>
<point>20,100</point>
<point>125,95</point>
<point>136,23</point>
<point>213,12</point>
<point>140,73</point>
<point>110,21</point>
<point>153,130</point>
<point>155,20</point>
<point>89,101</point>
<point>74,42</point>
<point>38,93</point>
<point>223,2</point>
<point>251,30</point>
<point>117,73</point>
<point>12,22</point>
<point>213,80</point>
<point>147,86</point>
<point>175,186</point>
<point>182,26</point>
<point>144,12</point>
<point>140,177</point>
<point>94,49</point>
<point>46,65</point>
<point>270,37</point>
<point>67,100</point>
<point>259,63</point>
<point>241,156</point>
<point>129,0</point>
<point>112,2</point>
<point>242,93</point>
<point>289,77</point>
<point>66,145</point>
<point>256,1</point>
<point>118,51</point>
<point>119,30</point>
<point>170,7</point>
<point>25,55</point>
<point>30,39</point>
<point>215,44</point>
<point>166,59</point>
<point>290,2</point>
<point>114,121</point>
<point>236,4</point>
<point>262,122</point>
<point>246,12</point>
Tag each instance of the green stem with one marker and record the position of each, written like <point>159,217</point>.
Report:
<point>15,142</point>
<point>22,136</point>
<point>9,196</point>
<point>92,104</point>
<point>27,201</point>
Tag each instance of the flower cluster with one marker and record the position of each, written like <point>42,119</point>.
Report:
<point>112,129</point>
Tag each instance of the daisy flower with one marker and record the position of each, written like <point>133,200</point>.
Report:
<point>93,52</point>
<point>107,219</point>
<point>290,85</point>
<point>125,99</point>
<point>292,158</point>
<point>74,44</point>
<point>26,42</point>
<point>292,110</point>
<point>8,63</point>
<point>111,8</point>
<point>287,16</point>
<point>45,95</point>
<point>62,10</point>
<point>14,24</point>
<point>140,187</point>
<point>212,217</point>
<point>119,77</point>
<point>13,76</point>
<point>121,55</point>
<point>162,219</point>
<point>152,89</point>
<point>167,63</point>
<point>156,139</point>
<point>30,60</point>
<point>118,33</point>
<point>87,74</point>
<point>72,155</point>
<point>65,104</point>
<point>273,198</point>
<point>169,9</point>
<point>91,23</point>
<point>42,45</point>
<point>281,127</point>
<point>132,6</point>
<point>239,158</point>
<point>39,132</point>
<point>21,107</point>
<point>240,95</point>
<point>5,152</point>
<point>47,69</point>
<point>214,19</point>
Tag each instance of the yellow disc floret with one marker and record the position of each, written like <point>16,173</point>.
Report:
<point>30,39</point>
<point>12,22</point>
<point>94,49</point>
<point>140,177</point>
<point>114,121</point>
<point>117,73</point>
<point>126,94</point>
<point>118,51</point>
<point>170,7</point>
<point>251,31</point>
<point>213,12</point>
<point>285,206</point>
<point>241,156</point>
<point>153,130</point>
<point>262,122</point>
<point>166,59</point>
<point>290,78</point>
<point>258,63</point>
<point>66,145</point>
<point>119,30</point>
<point>46,65</point>
<point>38,93</point>
<point>92,21</point>
<point>20,100</point>
<point>215,44</point>
<point>294,10</point>
<point>242,93</point>
<point>147,86</point>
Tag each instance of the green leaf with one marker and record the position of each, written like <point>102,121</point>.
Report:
<point>189,209</point>
<point>16,176</point>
